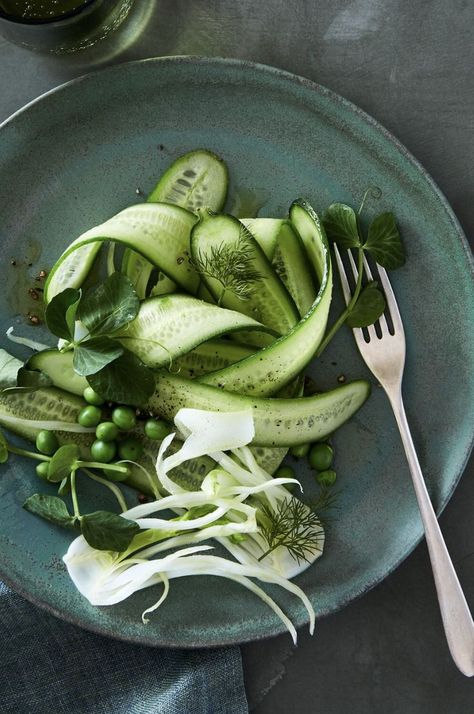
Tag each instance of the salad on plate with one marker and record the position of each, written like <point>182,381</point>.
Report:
<point>175,366</point>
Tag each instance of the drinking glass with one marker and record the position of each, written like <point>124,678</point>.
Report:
<point>60,26</point>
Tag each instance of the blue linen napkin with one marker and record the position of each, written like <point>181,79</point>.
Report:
<point>48,666</point>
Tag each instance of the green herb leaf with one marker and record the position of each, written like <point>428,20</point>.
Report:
<point>92,355</point>
<point>63,462</point>
<point>3,449</point>
<point>61,312</point>
<point>384,242</point>
<point>9,368</point>
<point>110,306</point>
<point>368,308</point>
<point>231,265</point>
<point>126,380</point>
<point>51,508</point>
<point>294,526</point>
<point>340,223</point>
<point>107,531</point>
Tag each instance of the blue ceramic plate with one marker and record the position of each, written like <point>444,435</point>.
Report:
<point>76,156</point>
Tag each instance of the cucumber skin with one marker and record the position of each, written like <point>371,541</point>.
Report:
<point>278,422</point>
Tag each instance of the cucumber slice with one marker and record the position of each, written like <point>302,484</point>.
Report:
<point>169,326</point>
<point>138,269</point>
<point>285,251</point>
<point>57,405</point>
<point>278,422</point>
<point>159,232</point>
<point>163,286</point>
<point>266,371</point>
<point>74,269</point>
<point>238,274</point>
<point>265,231</point>
<point>58,367</point>
<point>197,179</point>
<point>290,263</point>
<point>270,458</point>
<point>210,356</point>
<point>48,404</point>
<point>165,328</point>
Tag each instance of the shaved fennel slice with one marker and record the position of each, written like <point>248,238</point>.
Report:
<point>228,504</point>
<point>105,580</point>
<point>205,433</point>
<point>32,344</point>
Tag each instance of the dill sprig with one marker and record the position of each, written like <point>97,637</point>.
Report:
<point>293,526</point>
<point>324,502</point>
<point>231,265</point>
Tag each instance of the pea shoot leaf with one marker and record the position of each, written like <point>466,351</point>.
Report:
<point>92,355</point>
<point>108,531</point>
<point>63,462</point>
<point>61,312</point>
<point>384,242</point>
<point>368,308</point>
<point>125,380</point>
<point>3,449</point>
<point>340,223</point>
<point>109,306</point>
<point>51,508</point>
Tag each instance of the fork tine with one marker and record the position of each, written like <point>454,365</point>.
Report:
<point>391,301</point>
<point>342,274</point>
<point>367,268</point>
<point>355,272</point>
<point>382,320</point>
<point>370,329</point>
<point>358,334</point>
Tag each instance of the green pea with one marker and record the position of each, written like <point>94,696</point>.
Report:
<point>103,451</point>
<point>326,478</point>
<point>92,397</point>
<point>47,442</point>
<point>42,470</point>
<point>124,418</point>
<point>130,449</point>
<point>156,430</point>
<point>285,472</point>
<point>300,451</point>
<point>107,431</point>
<point>89,416</point>
<point>321,456</point>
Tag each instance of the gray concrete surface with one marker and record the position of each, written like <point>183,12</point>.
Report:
<point>409,64</point>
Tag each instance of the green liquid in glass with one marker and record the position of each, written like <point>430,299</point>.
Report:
<point>39,9</point>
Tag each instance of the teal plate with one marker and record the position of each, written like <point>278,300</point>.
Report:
<point>76,156</point>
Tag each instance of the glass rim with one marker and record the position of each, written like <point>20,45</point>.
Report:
<point>36,22</point>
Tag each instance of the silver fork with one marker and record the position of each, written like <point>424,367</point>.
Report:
<point>385,357</point>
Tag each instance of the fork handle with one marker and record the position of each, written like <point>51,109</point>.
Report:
<point>457,620</point>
